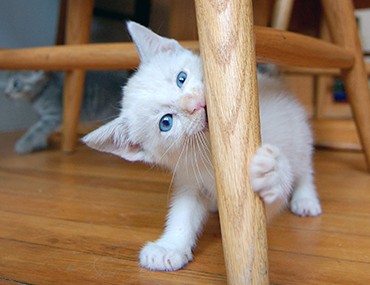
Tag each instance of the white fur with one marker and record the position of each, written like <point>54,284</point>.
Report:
<point>281,167</point>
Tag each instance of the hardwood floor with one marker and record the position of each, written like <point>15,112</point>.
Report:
<point>82,218</point>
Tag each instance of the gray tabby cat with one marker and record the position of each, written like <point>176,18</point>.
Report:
<point>44,90</point>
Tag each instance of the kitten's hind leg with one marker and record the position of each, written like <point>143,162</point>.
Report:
<point>305,201</point>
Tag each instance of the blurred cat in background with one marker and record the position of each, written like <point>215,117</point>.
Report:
<point>44,90</point>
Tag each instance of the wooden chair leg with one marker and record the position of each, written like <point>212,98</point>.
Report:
<point>227,47</point>
<point>343,29</point>
<point>282,14</point>
<point>79,16</point>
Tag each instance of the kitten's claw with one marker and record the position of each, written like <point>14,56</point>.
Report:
<point>306,207</point>
<point>159,258</point>
<point>270,174</point>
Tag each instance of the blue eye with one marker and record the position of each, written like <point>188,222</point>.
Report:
<point>181,77</point>
<point>166,122</point>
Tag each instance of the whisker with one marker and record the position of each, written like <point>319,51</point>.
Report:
<point>206,162</point>
<point>168,149</point>
<point>203,156</point>
<point>187,156</point>
<point>196,170</point>
<point>205,144</point>
<point>175,168</point>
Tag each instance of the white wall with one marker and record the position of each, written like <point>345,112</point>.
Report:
<point>24,23</point>
<point>364,18</point>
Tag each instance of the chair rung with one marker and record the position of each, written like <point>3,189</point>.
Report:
<point>318,71</point>
<point>67,57</point>
<point>273,46</point>
<point>108,56</point>
<point>292,49</point>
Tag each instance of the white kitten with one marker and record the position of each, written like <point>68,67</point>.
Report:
<point>163,122</point>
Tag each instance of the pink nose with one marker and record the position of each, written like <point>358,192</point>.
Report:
<point>193,103</point>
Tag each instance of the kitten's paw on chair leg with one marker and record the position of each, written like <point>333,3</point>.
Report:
<point>270,174</point>
<point>160,258</point>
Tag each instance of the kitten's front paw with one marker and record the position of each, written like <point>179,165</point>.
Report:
<point>159,258</point>
<point>27,145</point>
<point>22,148</point>
<point>306,206</point>
<point>270,174</point>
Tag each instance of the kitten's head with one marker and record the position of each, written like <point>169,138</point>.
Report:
<point>163,106</point>
<point>26,84</point>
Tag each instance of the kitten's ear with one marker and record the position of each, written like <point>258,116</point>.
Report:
<point>149,43</point>
<point>113,138</point>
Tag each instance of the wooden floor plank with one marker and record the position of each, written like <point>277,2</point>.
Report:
<point>82,219</point>
<point>60,266</point>
<point>330,222</point>
<point>332,245</point>
<point>293,269</point>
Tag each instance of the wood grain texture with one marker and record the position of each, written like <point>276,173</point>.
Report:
<point>319,71</point>
<point>287,48</point>
<point>274,46</point>
<point>344,32</point>
<point>78,25</point>
<point>107,56</point>
<point>82,219</point>
<point>227,48</point>
<point>336,134</point>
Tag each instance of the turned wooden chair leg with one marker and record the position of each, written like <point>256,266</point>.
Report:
<point>343,29</point>
<point>227,47</point>
<point>282,14</point>
<point>79,16</point>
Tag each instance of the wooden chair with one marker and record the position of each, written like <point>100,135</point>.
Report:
<point>229,44</point>
<point>331,120</point>
<point>281,14</point>
<point>226,39</point>
<point>78,23</point>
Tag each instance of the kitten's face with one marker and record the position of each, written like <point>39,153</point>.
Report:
<point>163,106</point>
<point>25,85</point>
